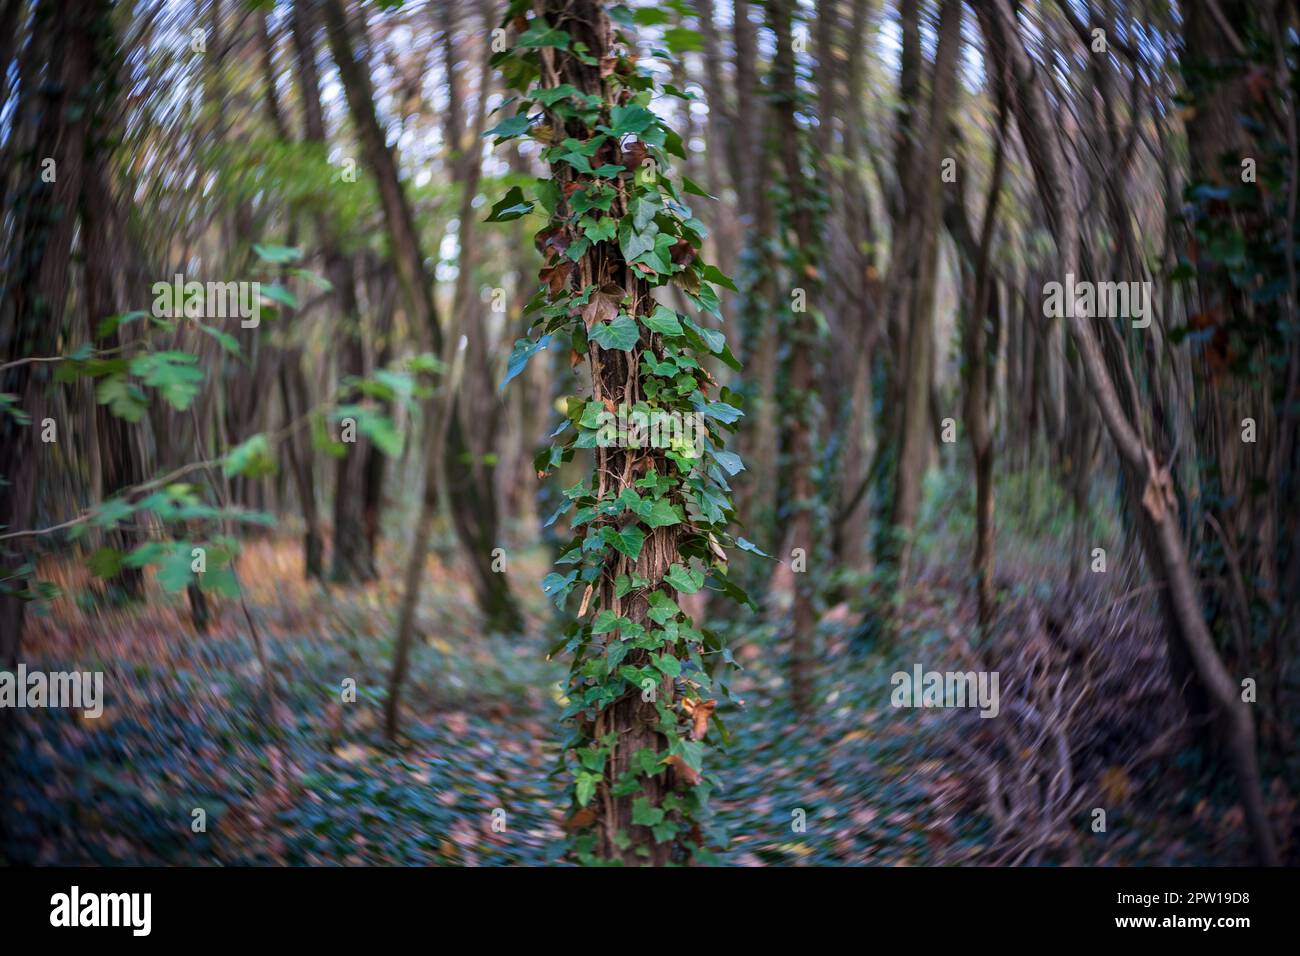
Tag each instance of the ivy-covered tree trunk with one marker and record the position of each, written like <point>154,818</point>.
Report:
<point>649,522</point>
<point>632,720</point>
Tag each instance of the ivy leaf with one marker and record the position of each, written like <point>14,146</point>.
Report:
<point>727,414</point>
<point>524,350</point>
<point>621,334</point>
<point>632,118</point>
<point>683,40</point>
<point>124,399</point>
<point>695,189</point>
<point>744,544</point>
<point>540,34</point>
<point>664,321</point>
<point>668,665</point>
<point>512,206</point>
<point>510,128</point>
<point>578,161</point>
<point>174,573</point>
<point>627,541</point>
<point>586,787</point>
<point>636,240</point>
<point>112,323</point>
<point>644,814</point>
<point>650,17</point>
<point>145,554</point>
<point>225,339</point>
<point>277,254</point>
<point>713,340</point>
<point>105,563</point>
<point>279,293</point>
<point>557,586</point>
<point>605,622</point>
<point>549,97</point>
<point>661,515</point>
<point>730,461</point>
<point>598,230</point>
<point>593,197</point>
<point>718,277</point>
<point>684,579</point>
<point>662,608</point>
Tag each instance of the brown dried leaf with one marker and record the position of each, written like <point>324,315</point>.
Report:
<point>634,154</point>
<point>583,818</point>
<point>699,712</point>
<point>683,770</point>
<point>556,276</point>
<point>601,307</point>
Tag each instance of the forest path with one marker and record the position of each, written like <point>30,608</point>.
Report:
<point>856,782</point>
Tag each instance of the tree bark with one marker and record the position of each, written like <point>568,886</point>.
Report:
<point>1166,551</point>
<point>473,518</point>
<point>914,429</point>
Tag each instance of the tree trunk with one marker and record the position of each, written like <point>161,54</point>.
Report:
<point>39,244</point>
<point>1166,552</point>
<point>914,428</point>
<point>473,519</point>
<point>799,439</point>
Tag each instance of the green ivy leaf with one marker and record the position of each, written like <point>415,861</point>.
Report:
<point>512,206</point>
<point>586,787</point>
<point>662,608</point>
<point>524,350</point>
<point>621,334</point>
<point>684,579</point>
<point>668,665</point>
<point>124,399</point>
<point>663,320</point>
<point>540,34</point>
<point>627,541</point>
<point>661,514</point>
<point>630,119</point>
<point>644,814</point>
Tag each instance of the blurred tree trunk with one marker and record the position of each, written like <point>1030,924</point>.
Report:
<point>861,310</point>
<point>1160,532</point>
<point>473,517</point>
<point>476,397</point>
<point>381,301</point>
<point>799,440</point>
<point>52,122</point>
<point>981,333</point>
<point>756,494</point>
<point>104,243</point>
<point>293,384</point>
<point>353,558</point>
<point>914,431</point>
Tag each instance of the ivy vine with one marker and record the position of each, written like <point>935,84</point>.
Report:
<point>617,228</point>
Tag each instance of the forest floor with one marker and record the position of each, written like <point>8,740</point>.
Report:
<point>184,729</point>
